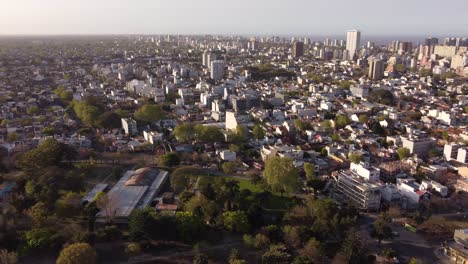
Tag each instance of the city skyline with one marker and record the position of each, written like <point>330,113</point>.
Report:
<point>58,17</point>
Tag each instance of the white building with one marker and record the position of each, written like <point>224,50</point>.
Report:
<point>227,155</point>
<point>410,189</point>
<point>365,171</point>
<point>129,126</point>
<point>353,40</point>
<point>451,151</point>
<point>153,136</point>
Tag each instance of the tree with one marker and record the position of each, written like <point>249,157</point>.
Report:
<point>276,254</point>
<point>301,125</point>
<point>106,204</point>
<point>240,135</point>
<point>32,110</point>
<point>38,214</point>
<point>400,68</point>
<point>316,184</point>
<point>140,224</point>
<point>363,119</point>
<point>229,167</point>
<point>199,204</point>
<point>183,132</point>
<point>342,121</point>
<point>403,153</point>
<point>208,133</point>
<point>280,174</point>
<point>236,221</point>
<point>169,160</point>
<point>258,132</point>
<point>292,235</point>
<point>8,257</point>
<point>41,238</point>
<point>381,96</point>
<point>188,226</point>
<point>234,257</point>
<point>179,182</point>
<point>77,253</point>
<point>261,241</point>
<point>65,95</point>
<point>353,249</point>
<point>345,84</point>
<point>327,125</point>
<point>149,113</point>
<point>381,228</point>
<point>355,158</point>
<point>109,120</point>
<point>199,257</point>
<point>12,137</point>
<point>86,112</point>
<point>49,153</point>
<point>309,170</point>
<point>312,249</point>
<point>133,249</point>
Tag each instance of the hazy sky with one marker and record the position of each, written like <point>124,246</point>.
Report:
<point>285,17</point>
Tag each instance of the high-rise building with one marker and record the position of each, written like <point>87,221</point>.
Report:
<point>298,49</point>
<point>353,40</point>
<point>217,70</point>
<point>431,41</point>
<point>205,59</point>
<point>210,58</point>
<point>376,69</point>
<point>405,46</point>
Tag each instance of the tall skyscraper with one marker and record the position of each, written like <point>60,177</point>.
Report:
<point>353,40</point>
<point>298,49</point>
<point>217,70</point>
<point>431,41</point>
<point>376,69</point>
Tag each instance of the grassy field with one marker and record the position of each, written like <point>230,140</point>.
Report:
<point>275,202</point>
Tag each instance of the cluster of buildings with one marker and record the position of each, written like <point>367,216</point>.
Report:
<point>404,95</point>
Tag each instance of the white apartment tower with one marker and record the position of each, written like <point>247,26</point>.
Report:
<point>353,39</point>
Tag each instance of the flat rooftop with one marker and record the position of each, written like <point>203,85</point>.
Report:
<point>136,189</point>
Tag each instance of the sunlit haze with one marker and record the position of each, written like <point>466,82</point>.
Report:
<point>320,17</point>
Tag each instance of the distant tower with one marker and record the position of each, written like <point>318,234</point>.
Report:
<point>376,69</point>
<point>353,40</point>
<point>298,49</point>
<point>217,70</point>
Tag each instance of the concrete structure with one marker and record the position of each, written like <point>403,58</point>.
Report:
<point>457,250</point>
<point>357,191</point>
<point>353,40</point>
<point>417,145</point>
<point>227,155</point>
<point>462,155</point>
<point>445,51</point>
<point>298,49</point>
<point>136,189</point>
<point>129,126</point>
<point>376,69</point>
<point>359,91</point>
<point>217,70</point>
<point>410,189</point>
<point>370,174</point>
<point>153,136</point>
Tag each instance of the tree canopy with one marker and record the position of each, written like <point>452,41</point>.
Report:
<point>280,174</point>
<point>77,253</point>
<point>149,113</point>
